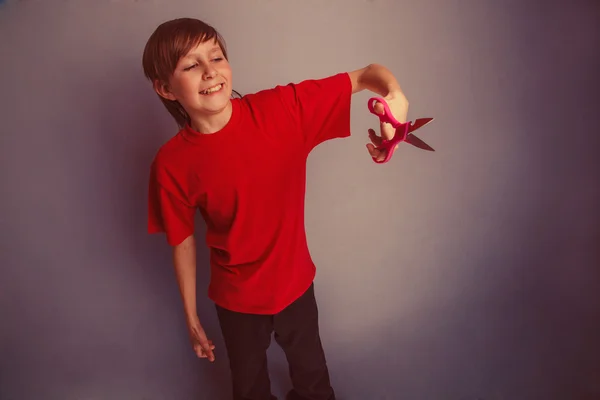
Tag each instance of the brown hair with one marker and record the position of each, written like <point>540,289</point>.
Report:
<point>168,43</point>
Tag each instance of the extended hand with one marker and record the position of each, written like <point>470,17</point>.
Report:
<point>200,343</point>
<point>399,107</point>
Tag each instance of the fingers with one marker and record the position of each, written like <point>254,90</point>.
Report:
<point>205,350</point>
<point>200,343</point>
<point>372,148</point>
<point>206,353</point>
<point>376,140</point>
<point>375,153</point>
<point>387,131</point>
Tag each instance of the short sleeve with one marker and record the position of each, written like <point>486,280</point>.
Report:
<point>320,107</point>
<point>168,211</point>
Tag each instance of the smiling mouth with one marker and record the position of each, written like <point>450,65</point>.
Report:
<point>213,89</point>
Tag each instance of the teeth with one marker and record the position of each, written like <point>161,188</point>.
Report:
<point>212,89</point>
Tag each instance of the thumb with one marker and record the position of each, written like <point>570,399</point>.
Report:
<point>379,109</point>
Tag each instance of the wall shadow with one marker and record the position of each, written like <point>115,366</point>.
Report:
<point>134,124</point>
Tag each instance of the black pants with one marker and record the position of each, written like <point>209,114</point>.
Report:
<point>247,337</point>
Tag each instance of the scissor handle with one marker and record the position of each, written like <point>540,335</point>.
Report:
<point>390,145</point>
<point>401,129</point>
<point>387,113</point>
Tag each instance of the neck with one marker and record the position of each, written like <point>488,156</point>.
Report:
<point>208,124</point>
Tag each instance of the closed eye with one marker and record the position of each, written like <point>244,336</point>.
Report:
<point>190,67</point>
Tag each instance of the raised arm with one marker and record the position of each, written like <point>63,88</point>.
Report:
<point>378,79</point>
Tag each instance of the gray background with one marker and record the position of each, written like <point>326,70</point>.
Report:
<point>469,273</point>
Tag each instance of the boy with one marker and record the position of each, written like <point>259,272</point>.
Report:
<point>242,163</point>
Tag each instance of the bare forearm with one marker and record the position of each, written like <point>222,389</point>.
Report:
<point>378,79</point>
<point>184,261</point>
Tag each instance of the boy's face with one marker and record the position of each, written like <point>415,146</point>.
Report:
<point>201,82</point>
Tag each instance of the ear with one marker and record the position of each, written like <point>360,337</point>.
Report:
<point>163,90</point>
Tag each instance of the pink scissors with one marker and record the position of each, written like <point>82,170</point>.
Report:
<point>403,131</point>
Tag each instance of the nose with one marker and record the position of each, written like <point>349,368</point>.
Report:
<point>209,72</point>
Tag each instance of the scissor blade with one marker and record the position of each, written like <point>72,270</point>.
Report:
<point>419,123</point>
<point>415,141</point>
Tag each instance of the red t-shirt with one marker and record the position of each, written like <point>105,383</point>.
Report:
<point>248,181</point>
